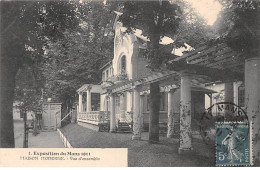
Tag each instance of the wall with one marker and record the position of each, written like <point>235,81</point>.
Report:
<point>236,86</point>
<point>141,70</point>
<point>216,97</point>
<point>106,73</point>
<point>123,45</point>
<point>163,117</point>
<point>220,95</point>
<point>129,101</point>
<point>103,102</point>
<point>127,45</point>
<point>197,108</point>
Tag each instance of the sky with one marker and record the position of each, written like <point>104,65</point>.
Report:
<point>209,9</point>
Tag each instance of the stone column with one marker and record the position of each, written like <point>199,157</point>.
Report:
<point>122,107</point>
<point>252,102</point>
<point>80,102</point>
<point>185,113</point>
<point>136,116</point>
<point>229,92</point>
<point>112,114</point>
<point>88,108</point>
<point>170,130</point>
<point>141,111</point>
<point>210,99</point>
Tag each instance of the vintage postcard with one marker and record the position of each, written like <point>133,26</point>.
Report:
<point>130,83</point>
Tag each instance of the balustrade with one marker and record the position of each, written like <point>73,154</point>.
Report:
<point>97,116</point>
<point>118,77</point>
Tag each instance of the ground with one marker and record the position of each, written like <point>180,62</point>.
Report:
<point>49,139</point>
<point>140,153</point>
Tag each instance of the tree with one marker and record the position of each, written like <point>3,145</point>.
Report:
<point>239,26</point>
<point>25,27</point>
<point>76,58</point>
<point>175,19</point>
<point>156,19</point>
<point>193,28</point>
<point>27,90</point>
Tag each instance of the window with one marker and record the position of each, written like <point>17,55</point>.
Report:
<point>111,71</point>
<point>148,102</point>
<point>95,101</point>
<point>107,74</point>
<point>117,105</point>
<point>241,96</point>
<point>123,64</point>
<point>103,76</point>
<point>163,102</point>
<point>84,100</point>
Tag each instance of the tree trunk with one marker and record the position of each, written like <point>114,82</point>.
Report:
<point>25,137</point>
<point>10,51</point>
<point>154,112</point>
<point>6,107</point>
<point>11,54</point>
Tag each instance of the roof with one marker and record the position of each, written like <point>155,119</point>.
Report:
<point>93,88</point>
<point>202,89</point>
<point>212,60</point>
<point>107,64</point>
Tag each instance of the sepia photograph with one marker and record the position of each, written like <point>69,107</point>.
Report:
<point>130,83</point>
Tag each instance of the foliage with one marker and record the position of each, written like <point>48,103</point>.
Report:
<point>32,23</point>
<point>193,28</point>
<point>62,42</point>
<point>156,19</point>
<point>239,26</point>
<point>26,27</point>
<point>175,19</point>
<point>75,59</point>
<point>27,91</point>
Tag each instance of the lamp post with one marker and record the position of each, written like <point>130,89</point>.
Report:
<point>26,130</point>
<point>25,137</point>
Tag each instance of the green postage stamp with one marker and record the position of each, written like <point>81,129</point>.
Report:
<point>233,144</point>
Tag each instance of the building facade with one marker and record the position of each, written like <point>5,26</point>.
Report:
<point>122,101</point>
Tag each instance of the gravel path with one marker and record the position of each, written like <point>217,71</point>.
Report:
<point>42,140</point>
<point>140,153</point>
<point>18,133</point>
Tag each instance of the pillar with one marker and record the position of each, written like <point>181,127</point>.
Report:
<point>185,113</point>
<point>80,102</point>
<point>252,102</point>
<point>229,92</point>
<point>170,129</point>
<point>236,87</point>
<point>112,114</point>
<point>141,110</point>
<point>88,101</point>
<point>136,116</point>
<point>122,107</point>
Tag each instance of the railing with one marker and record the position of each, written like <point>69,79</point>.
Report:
<point>129,117</point>
<point>118,77</point>
<point>114,79</point>
<point>69,114</point>
<point>97,116</point>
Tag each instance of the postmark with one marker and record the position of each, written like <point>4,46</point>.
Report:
<point>233,144</point>
<point>220,112</point>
